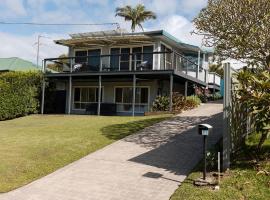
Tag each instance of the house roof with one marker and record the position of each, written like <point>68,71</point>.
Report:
<point>16,64</point>
<point>122,37</point>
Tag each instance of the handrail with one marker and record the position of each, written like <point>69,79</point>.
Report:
<point>182,56</point>
<point>107,55</point>
<point>216,74</point>
<point>129,54</point>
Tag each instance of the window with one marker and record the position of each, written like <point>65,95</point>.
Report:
<point>94,60</point>
<point>78,58</point>
<point>148,57</point>
<point>124,59</point>
<point>122,62</point>
<point>115,59</point>
<point>136,56</point>
<point>124,98</point>
<point>85,95</point>
<point>166,59</point>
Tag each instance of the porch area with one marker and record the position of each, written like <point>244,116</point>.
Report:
<point>113,94</point>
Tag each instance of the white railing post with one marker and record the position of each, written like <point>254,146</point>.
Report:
<point>226,117</point>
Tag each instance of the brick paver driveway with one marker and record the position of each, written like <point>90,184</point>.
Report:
<point>148,165</point>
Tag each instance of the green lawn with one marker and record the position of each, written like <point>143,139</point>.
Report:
<point>34,146</point>
<point>242,182</point>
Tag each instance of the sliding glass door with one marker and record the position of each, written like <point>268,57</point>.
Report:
<point>124,97</point>
<point>121,59</point>
<point>94,59</point>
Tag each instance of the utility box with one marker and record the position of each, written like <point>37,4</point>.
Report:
<point>204,129</point>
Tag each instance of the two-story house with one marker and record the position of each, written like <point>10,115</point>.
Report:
<point>116,72</point>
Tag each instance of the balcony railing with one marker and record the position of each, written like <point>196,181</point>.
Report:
<point>214,78</point>
<point>125,62</point>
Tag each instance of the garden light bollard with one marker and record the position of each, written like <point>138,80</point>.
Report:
<point>204,130</point>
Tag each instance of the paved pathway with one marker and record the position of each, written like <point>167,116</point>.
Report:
<point>149,165</point>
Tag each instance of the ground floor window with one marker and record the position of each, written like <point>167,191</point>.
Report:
<point>124,98</point>
<point>84,96</point>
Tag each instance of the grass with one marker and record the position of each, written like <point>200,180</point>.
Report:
<point>34,146</point>
<point>242,182</point>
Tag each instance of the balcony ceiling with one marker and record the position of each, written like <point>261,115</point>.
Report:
<point>123,40</point>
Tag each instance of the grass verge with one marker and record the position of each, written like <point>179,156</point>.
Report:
<point>34,146</point>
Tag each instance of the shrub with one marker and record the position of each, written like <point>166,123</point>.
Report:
<point>202,93</point>
<point>19,94</point>
<point>180,103</point>
<point>161,103</point>
<point>193,101</point>
<point>215,96</point>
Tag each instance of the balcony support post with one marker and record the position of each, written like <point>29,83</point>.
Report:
<point>187,67</point>
<point>70,86</point>
<point>69,94</point>
<point>99,95</point>
<point>43,86</point>
<point>199,63</point>
<point>186,88</point>
<point>134,95</point>
<point>171,92</point>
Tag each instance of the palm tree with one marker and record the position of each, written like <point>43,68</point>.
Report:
<point>136,15</point>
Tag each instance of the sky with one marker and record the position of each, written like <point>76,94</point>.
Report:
<point>174,16</point>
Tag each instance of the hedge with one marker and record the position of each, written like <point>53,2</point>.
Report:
<point>19,94</point>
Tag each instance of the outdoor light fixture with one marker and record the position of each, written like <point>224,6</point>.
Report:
<point>204,130</point>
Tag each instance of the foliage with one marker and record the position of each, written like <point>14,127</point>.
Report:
<point>246,179</point>
<point>217,68</point>
<point>161,103</point>
<point>215,96</point>
<point>202,93</point>
<point>193,101</point>
<point>180,103</point>
<point>19,94</point>
<point>136,15</point>
<point>253,91</point>
<point>238,29</point>
<point>58,65</point>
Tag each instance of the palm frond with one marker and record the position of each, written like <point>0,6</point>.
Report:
<point>136,15</point>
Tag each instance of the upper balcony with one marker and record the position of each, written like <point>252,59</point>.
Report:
<point>117,62</point>
<point>214,79</point>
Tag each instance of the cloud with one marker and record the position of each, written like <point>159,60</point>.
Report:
<point>100,2</point>
<point>191,7</point>
<point>173,16</point>
<point>23,46</point>
<point>162,7</point>
<point>179,27</point>
<point>12,8</point>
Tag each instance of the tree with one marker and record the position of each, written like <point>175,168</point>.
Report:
<point>136,15</point>
<point>253,91</point>
<point>57,65</point>
<point>217,68</point>
<point>238,29</point>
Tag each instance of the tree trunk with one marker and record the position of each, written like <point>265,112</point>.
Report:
<point>262,140</point>
<point>268,62</point>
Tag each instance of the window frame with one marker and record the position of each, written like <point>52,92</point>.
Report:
<point>136,104</point>
<point>87,49</point>
<point>130,50</point>
<point>80,87</point>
